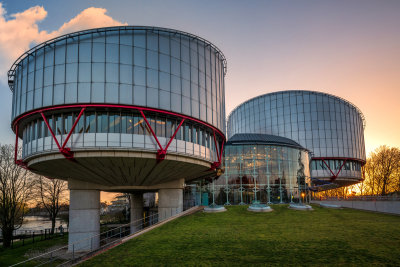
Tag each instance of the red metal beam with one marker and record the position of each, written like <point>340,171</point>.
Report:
<point>173,136</point>
<point>334,176</point>
<point>51,131</point>
<point>73,127</point>
<point>53,108</point>
<point>67,153</point>
<point>160,153</point>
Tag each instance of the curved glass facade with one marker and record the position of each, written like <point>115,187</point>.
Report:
<point>266,173</point>
<point>142,66</point>
<point>330,127</point>
<point>169,71</point>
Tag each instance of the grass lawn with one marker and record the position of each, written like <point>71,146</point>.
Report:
<point>282,237</point>
<point>16,254</point>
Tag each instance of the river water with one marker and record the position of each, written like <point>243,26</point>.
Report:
<point>37,223</point>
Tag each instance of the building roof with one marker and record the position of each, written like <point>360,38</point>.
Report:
<point>261,139</point>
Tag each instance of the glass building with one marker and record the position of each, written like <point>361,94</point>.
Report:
<point>330,127</point>
<point>123,89</point>
<point>263,168</point>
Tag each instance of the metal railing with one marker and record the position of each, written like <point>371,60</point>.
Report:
<point>361,198</point>
<point>24,237</point>
<point>72,253</point>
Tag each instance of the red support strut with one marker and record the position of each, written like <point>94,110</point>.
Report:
<point>334,176</point>
<point>162,152</point>
<point>66,151</point>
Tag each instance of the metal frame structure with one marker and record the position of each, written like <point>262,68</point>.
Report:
<point>334,176</point>
<point>68,154</point>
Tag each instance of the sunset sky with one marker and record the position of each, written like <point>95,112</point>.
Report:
<point>347,48</point>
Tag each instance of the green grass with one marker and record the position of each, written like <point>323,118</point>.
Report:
<point>237,237</point>
<point>17,254</point>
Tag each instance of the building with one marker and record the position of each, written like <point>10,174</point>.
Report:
<point>120,109</point>
<point>330,128</point>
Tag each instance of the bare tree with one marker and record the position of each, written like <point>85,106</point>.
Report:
<point>383,170</point>
<point>15,186</point>
<point>51,193</point>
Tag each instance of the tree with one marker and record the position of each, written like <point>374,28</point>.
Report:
<point>15,186</point>
<point>383,170</point>
<point>51,194</point>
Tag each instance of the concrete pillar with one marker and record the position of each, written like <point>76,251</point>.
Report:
<point>136,212</point>
<point>84,220</point>
<point>170,202</point>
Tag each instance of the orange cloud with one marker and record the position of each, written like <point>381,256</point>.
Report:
<point>17,33</point>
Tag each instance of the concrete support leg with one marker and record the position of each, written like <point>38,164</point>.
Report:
<point>136,212</point>
<point>84,220</point>
<point>170,202</point>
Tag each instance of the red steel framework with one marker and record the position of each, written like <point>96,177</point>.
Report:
<point>161,152</point>
<point>334,176</point>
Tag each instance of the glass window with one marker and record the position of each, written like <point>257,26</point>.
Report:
<point>72,73</point>
<point>164,43</point>
<point>165,100</point>
<point>125,96</point>
<point>124,123</point>
<point>71,93</point>
<point>164,63</point>
<point>90,123</point>
<point>98,72</point>
<point>59,125</point>
<point>175,49</point>
<point>176,84</point>
<point>102,122</point>
<point>152,78</point>
<point>111,92</point>
<point>67,123</point>
<point>98,52</point>
<point>125,37</point>
<point>112,73</point>
<point>165,82</point>
<point>85,52</point>
<point>49,56</point>
<point>115,123</point>
<point>139,95</point>
<point>60,53</point>
<point>112,53</point>
<point>59,94</point>
<point>125,74</point>
<point>125,56</point>
<point>84,72</point>
<point>98,92</point>
<point>152,59</point>
<point>80,125</point>
<point>139,38</point>
<point>175,67</point>
<point>84,92</point>
<point>139,76</point>
<point>59,74</point>
<point>139,57</point>
<point>152,97</point>
<point>72,52</point>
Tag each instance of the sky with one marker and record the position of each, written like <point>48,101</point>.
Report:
<point>346,48</point>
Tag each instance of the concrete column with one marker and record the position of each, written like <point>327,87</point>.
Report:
<point>170,202</point>
<point>84,220</point>
<point>136,212</point>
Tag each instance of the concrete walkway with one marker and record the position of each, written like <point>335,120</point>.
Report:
<point>384,206</point>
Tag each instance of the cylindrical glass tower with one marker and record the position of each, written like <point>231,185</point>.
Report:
<point>331,128</point>
<point>113,105</point>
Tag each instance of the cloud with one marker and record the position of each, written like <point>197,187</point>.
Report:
<point>22,30</point>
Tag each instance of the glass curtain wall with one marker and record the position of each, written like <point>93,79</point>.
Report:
<point>262,173</point>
